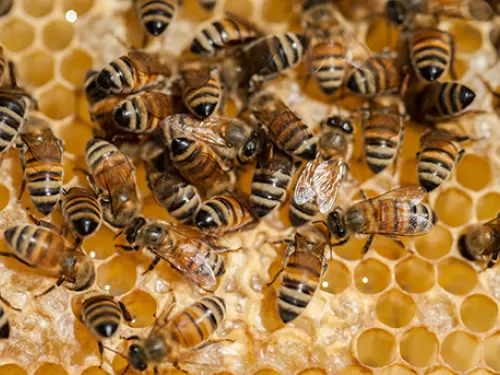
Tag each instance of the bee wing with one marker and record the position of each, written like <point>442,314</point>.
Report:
<point>161,105</point>
<point>480,10</point>
<point>197,77</point>
<point>304,188</point>
<point>403,196</point>
<point>328,177</point>
<point>258,54</point>
<point>150,63</point>
<point>210,131</point>
<point>46,149</point>
<point>187,126</point>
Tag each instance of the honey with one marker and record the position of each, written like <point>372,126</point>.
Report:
<point>57,35</point>
<point>395,308</point>
<point>372,276</point>
<point>419,347</point>
<point>461,351</point>
<point>479,313</point>
<point>385,345</point>
<point>414,275</point>
<point>37,68</point>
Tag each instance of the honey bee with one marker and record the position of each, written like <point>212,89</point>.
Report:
<point>319,182</point>
<point>208,5</point>
<point>81,212</point>
<point>224,214</point>
<point>44,248</point>
<point>5,6</point>
<point>156,15</point>
<point>41,159</point>
<point>4,324</point>
<point>302,270</point>
<point>169,188</point>
<point>188,329</point>
<point>440,150</point>
<point>398,212</point>
<point>396,12</point>
<point>2,64</point>
<point>377,75</point>
<point>223,35</point>
<point>112,175</point>
<point>131,73</point>
<point>285,129</point>
<point>270,181</point>
<point>185,249</point>
<point>481,241</point>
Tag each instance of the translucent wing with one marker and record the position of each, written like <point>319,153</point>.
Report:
<point>304,188</point>
<point>196,77</point>
<point>162,105</point>
<point>328,177</point>
<point>187,126</point>
<point>149,63</point>
<point>45,147</point>
<point>403,195</point>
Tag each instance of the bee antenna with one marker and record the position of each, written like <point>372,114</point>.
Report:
<point>116,352</point>
<point>117,235</point>
<point>126,369</point>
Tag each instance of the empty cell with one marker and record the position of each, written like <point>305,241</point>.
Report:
<point>372,276</point>
<point>142,306</point>
<point>57,34</point>
<point>16,35</point>
<point>461,350</point>
<point>395,308</point>
<point>275,11</point>
<point>491,349</point>
<point>479,312</point>
<point>467,37</point>
<point>4,196</point>
<point>75,65</point>
<point>12,370</point>
<point>38,8</point>
<point>80,7</point>
<point>381,35</point>
<point>94,371</point>
<point>336,279</point>
<point>194,10</point>
<point>454,207</point>
<point>37,68</point>
<point>474,172</point>
<point>355,370</point>
<point>57,102</point>
<point>456,276</point>
<point>50,369</point>
<point>435,244</point>
<point>102,244</point>
<point>75,135</point>
<point>419,347</point>
<point>397,370</point>
<point>415,275</point>
<point>376,347</point>
<point>488,206</point>
<point>117,276</point>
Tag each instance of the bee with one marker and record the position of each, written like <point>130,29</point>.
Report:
<point>113,177</point>
<point>271,179</point>
<point>41,159</point>
<point>208,5</point>
<point>42,247</point>
<point>4,324</point>
<point>396,12</point>
<point>377,75</point>
<point>440,150</point>
<point>398,212</point>
<point>5,6</point>
<point>185,249</point>
<point>169,188</point>
<point>224,214</point>
<point>222,35</point>
<point>481,241</point>
<point>319,182</point>
<point>188,329</point>
<point>285,129</point>
<point>81,212</point>
<point>2,64</point>
<point>383,134</point>
<point>156,15</point>
<point>302,270</point>
<point>131,73</point>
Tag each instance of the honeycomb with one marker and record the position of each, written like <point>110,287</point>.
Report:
<point>392,311</point>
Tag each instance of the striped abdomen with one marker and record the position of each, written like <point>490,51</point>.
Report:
<point>451,100</point>
<point>13,112</point>
<point>382,138</point>
<point>3,62</point>
<point>208,5</point>
<point>302,214</point>
<point>37,246</point>
<point>155,15</point>
<point>299,282</point>
<point>133,114</point>
<point>203,100</point>
<point>81,211</point>
<point>198,322</point>
<point>431,51</point>
<point>99,156</point>
<point>377,75</point>
<point>102,315</point>
<point>223,214</point>
<point>220,35</point>
<point>328,63</point>
<point>4,324</point>
<point>215,261</point>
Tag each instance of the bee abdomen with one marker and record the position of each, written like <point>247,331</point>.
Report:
<point>434,167</point>
<point>431,53</point>
<point>424,210</point>
<point>81,211</point>
<point>98,150</point>
<point>295,294</point>
<point>380,146</point>
<point>156,15</point>
<point>453,98</point>
<point>102,315</point>
<point>295,137</point>
<point>302,214</point>
<point>328,64</point>
<point>44,186</point>
<point>4,324</point>
<point>12,113</point>
<point>217,263</point>
<point>287,50</point>
<point>183,203</point>
<point>377,75</point>
<point>202,101</point>
<point>208,5</point>
<point>221,213</point>
<point>268,191</point>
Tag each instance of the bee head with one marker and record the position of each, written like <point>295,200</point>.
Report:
<point>395,12</point>
<point>252,147</point>
<point>339,123</point>
<point>133,229</point>
<point>79,269</point>
<point>335,225</point>
<point>137,358</point>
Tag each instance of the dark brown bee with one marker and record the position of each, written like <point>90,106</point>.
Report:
<point>223,35</point>
<point>185,249</point>
<point>41,159</point>
<point>224,214</point>
<point>156,15</point>
<point>40,247</point>
<point>271,179</point>
<point>208,5</point>
<point>302,270</point>
<point>5,6</point>
<point>383,133</point>
<point>169,188</point>
<point>399,212</point>
<point>440,150</point>
<point>285,129</point>
<point>186,330</point>
<point>396,12</point>
<point>131,73</point>
<point>3,64</point>
<point>318,184</point>
<point>81,212</point>
<point>481,241</point>
<point>377,75</point>
<point>4,324</point>
<point>113,177</point>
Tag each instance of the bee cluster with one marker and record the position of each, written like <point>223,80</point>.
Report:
<point>172,118</point>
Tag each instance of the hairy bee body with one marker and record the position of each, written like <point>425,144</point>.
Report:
<point>102,315</point>
<point>3,64</point>
<point>481,241</point>
<point>377,75</point>
<point>156,15</point>
<point>14,106</point>
<point>81,211</point>
<point>4,324</point>
<point>201,90</point>
<point>302,214</point>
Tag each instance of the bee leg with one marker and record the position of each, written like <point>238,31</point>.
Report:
<point>128,248</point>
<point>152,265</point>
<point>7,303</point>
<point>43,223</point>
<point>453,72</point>
<point>129,338</point>
<point>275,277</point>
<point>21,192</point>
<point>156,372</point>
<point>340,243</point>
<point>460,155</point>
<point>368,243</point>
<point>176,366</point>
<point>400,243</point>
<point>10,255</point>
<point>58,283</point>
<point>101,350</point>
<point>493,260</point>
<point>213,341</point>
<point>363,194</point>
<point>126,314</point>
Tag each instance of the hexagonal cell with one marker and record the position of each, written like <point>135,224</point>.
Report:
<point>102,244</point>
<point>4,196</point>
<point>313,372</point>
<point>397,370</point>
<point>440,371</point>
<point>336,279</point>
<point>57,34</point>
<point>454,207</point>
<point>436,244</point>
<point>381,35</point>
<point>419,347</point>
<point>461,66</point>
<point>38,8</point>
<point>388,248</point>
<point>75,65</point>
<point>355,370</point>
<point>80,7</point>
<point>376,347</point>
<point>12,370</point>
<point>461,350</point>
<point>467,37</point>
<point>351,250</point>
<point>142,306</point>
<point>117,276</point>
<point>414,275</point>
<point>488,206</point>
<point>37,68</point>
<point>57,102</point>
<point>16,35</point>
<point>50,369</point>
<point>395,308</point>
<point>474,172</point>
<point>456,276</point>
<point>75,135</point>
<point>479,312</point>
<point>371,276</point>
<point>94,371</point>
<point>491,349</point>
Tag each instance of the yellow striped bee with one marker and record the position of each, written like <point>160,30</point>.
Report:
<point>187,330</point>
<point>4,324</point>
<point>398,212</point>
<point>156,15</point>
<point>208,5</point>
<point>318,184</point>
<point>5,6</point>
<point>377,75</point>
<point>186,250</point>
<point>41,159</point>
<point>481,241</point>
<point>3,64</point>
